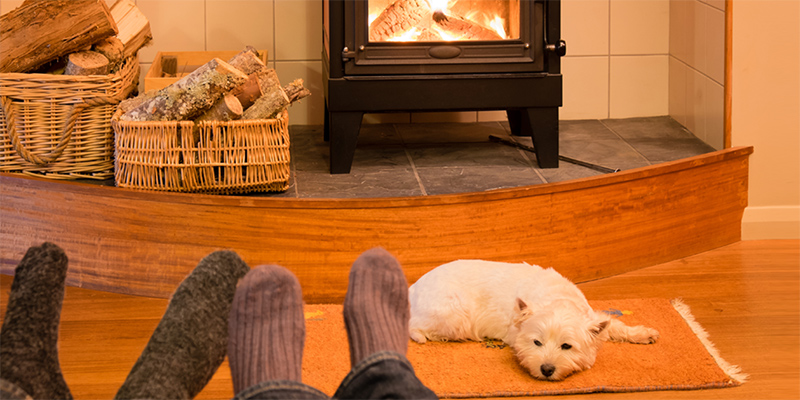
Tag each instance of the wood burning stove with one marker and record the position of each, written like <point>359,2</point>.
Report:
<point>442,55</point>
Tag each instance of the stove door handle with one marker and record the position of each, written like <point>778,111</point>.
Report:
<point>560,49</point>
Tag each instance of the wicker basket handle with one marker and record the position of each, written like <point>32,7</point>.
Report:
<point>66,134</point>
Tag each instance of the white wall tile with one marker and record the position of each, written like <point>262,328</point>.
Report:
<point>697,41</point>
<point>679,29</point>
<point>677,90</point>
<point>639,86</point>
<point>585,87</point>
<point>177,25</point>
<point>298,30</point>
<point>232,25</point>
<point>696,98</point>
<point>639,27</point>
<point>715,114</point>
<point>386,118</point>
<point>8,5</point>
<point>490,116</point>
<point>715,44</point>
<point>584,25</point>
<point>431,117</point>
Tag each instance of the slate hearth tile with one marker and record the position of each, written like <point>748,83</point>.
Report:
<point>662,150</point>
<point>604,152</point>
<point>648,128</point>
<point>360,183</point>
<point>475,178</point>
<point>467,155</point>
<point>589,129</point>
<point>450,132</point>
<point>567,171</point>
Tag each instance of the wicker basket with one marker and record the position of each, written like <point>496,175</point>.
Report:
<point>60,126</point>
<point>211,157</point>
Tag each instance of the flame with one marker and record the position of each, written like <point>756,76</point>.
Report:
<point>498,24</point>
<point>438,5</point>
<point>410,35</point>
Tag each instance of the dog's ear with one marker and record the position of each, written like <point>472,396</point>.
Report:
<point>522,312</point>
<point>598,327</point>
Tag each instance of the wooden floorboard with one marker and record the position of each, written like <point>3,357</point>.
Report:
<point>746,295</point>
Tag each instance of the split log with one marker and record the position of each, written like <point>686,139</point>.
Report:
<point>112,48</point>
<point>134,28</point>
<point>249,91</point>
<point>296,91</point>
<point>248,61</point>
<point>464,29</point>
<point>227,108</point>
<point>189,96</point>
<point>37,32</point>
<point>398,18</point>
<point>87,63</point>
<point>277,100</point>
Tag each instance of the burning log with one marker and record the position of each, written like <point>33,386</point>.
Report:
<point>189,96</point>
<point>398,18</point>
<point>463,29</point>
<point>35,33</point>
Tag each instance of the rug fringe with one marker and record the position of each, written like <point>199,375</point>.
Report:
<point>733,371</point>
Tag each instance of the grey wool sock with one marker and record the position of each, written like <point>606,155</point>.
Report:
<point>376,308</point>
<point>191,340</point>
<point>29,336</point>
<point>267,328</point>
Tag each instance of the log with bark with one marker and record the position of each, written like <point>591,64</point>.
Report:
<point>250,91</point>
<point>112,48</point>
<point>227,108</point>
<point>189,96</point>
<point>248,61</point>
<point>87,63</point>
<point>276,100</point>
<point>40,31</point>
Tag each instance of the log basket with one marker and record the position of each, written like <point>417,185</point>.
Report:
<point>59,126</point>
<point>210,157</point>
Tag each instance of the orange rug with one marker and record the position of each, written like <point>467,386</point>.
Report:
<point>682,359</point>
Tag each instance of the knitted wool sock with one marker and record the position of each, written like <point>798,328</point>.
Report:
<point>29,336</point>
<point>376,308</point>
<point>267,328</point>
<point>191,340</point>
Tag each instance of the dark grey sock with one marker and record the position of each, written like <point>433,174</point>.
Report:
<point>29,336</point>
<point>190,342</point>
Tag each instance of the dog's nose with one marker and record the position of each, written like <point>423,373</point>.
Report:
<point>547,369</point>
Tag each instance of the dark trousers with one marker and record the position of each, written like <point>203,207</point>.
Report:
<point>384,375</point>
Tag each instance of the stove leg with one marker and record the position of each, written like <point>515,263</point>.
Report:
<point>542,123</point>
<point>342,131</point>
<point>515,123</point>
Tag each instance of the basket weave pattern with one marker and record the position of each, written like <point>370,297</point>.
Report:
<point>212,157</point>
<point>60,126</point>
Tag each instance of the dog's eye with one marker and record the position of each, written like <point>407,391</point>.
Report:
<point>536,342</point>
<point>566,346</point>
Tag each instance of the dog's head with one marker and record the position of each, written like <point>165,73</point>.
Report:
<point>556,340</point>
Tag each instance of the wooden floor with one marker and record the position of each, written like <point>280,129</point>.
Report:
<point>746,295</point>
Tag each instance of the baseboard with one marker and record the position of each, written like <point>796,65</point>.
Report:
<point>771,222</point>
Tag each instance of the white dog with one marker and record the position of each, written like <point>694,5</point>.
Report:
<point>543,316</point>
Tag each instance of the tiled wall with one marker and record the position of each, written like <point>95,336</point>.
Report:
<point>697,67</point>
<point>625,58</point>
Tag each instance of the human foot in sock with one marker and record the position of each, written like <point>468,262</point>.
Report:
<point>29,336</point>
<point>376,309</point>
<point>266,328</point>
<point>191,340</point>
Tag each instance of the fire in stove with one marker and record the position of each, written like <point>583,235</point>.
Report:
<point>443,20</point>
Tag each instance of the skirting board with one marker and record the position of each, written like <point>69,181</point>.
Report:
<point>145,243</point>
<point>771,222</point>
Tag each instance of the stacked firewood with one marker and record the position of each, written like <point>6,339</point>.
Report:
<point>72,37</point>
<point>241,88</point>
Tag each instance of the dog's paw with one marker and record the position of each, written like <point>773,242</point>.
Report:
<point>418,336</point>
<point>642,335</point>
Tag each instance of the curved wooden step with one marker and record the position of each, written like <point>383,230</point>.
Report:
<point>144,243</point>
